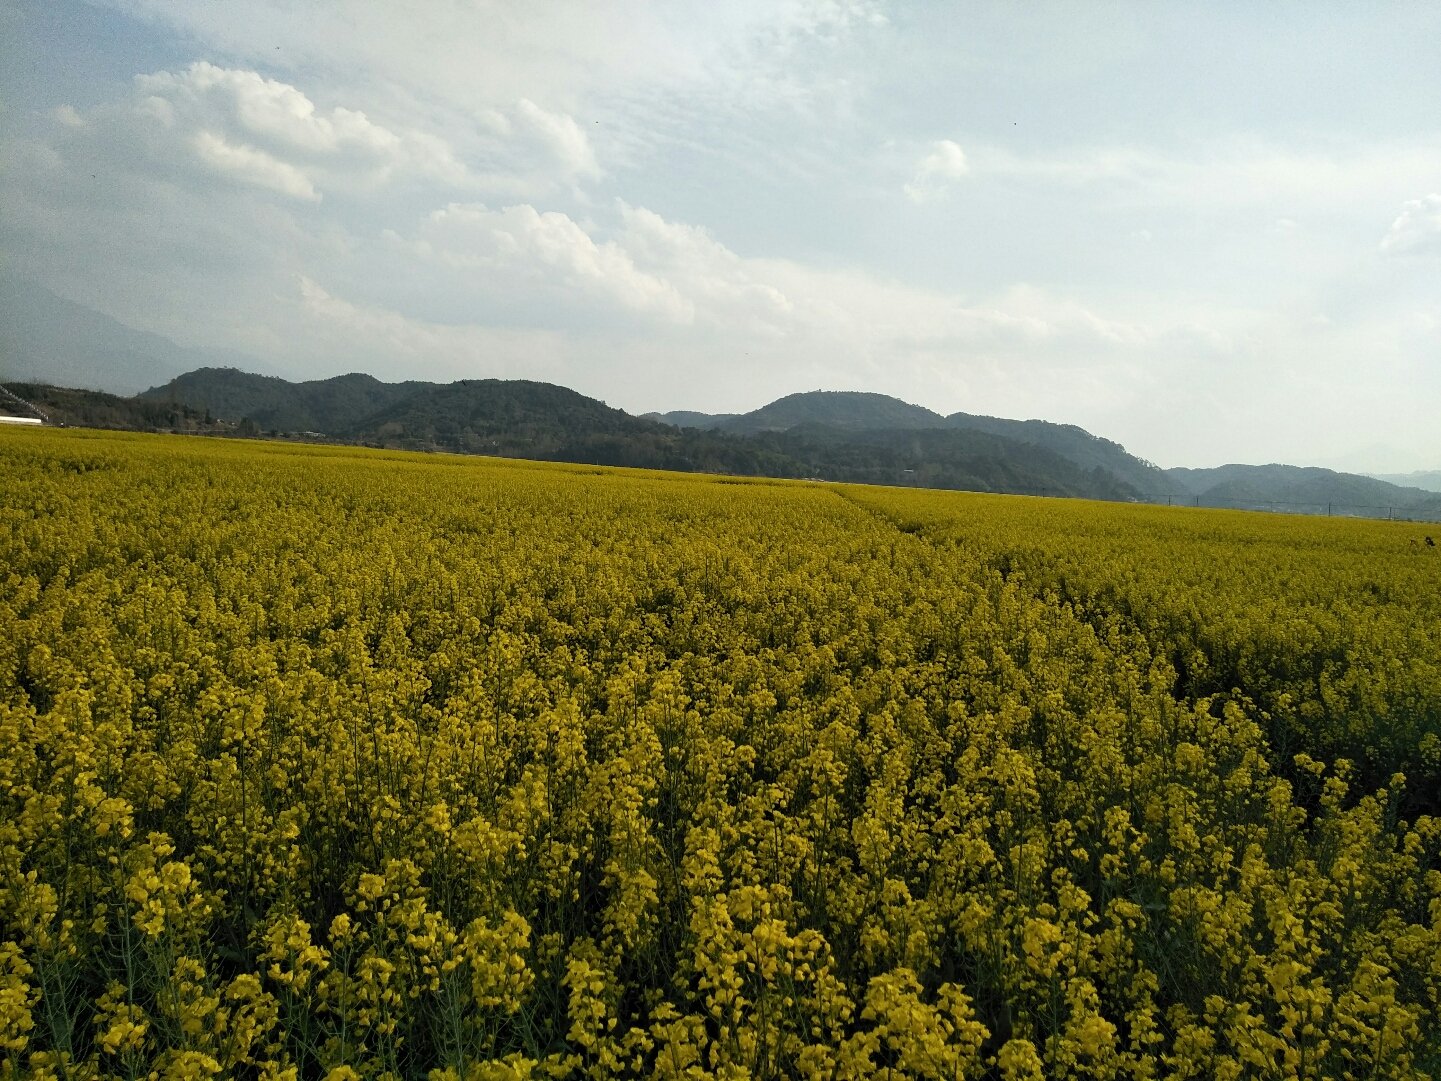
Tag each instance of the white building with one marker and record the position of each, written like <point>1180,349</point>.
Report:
<point>20,420</point>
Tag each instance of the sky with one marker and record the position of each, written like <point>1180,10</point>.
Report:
<point>1209,232</point>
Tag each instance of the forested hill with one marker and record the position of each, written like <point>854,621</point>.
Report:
<point>96,409</point>
<point>834,408</point>
<point>489,415</point>
<point>1077,446</point>
<point>867,438</point>
<point>271,404</point>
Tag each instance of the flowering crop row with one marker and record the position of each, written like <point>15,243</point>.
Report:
<point>319,763</point>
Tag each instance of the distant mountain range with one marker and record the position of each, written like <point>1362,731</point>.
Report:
<point>1429,479</point>
<point>538,420</point>
<point>1258,485</point>
<point>828,435</point>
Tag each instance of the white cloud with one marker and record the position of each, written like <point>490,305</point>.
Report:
<point>267,110</point>
<point>562,137</point>
<point>944,164</point>
<point>270,134</point>
<point>726,289</point>
<point>186,128</point>
<point>252,166</point>
<point>1417,228</point>
<point>373,324</point>
<point>273,135</point>
<point>546,267</point>
<point>547,251</point>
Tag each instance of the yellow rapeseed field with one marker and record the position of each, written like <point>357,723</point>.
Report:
<point>320,763</point>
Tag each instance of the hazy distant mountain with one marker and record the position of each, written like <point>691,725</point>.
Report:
<point>45,338</point>
<point>1308,488</point>
<point>688,418</point>
<point>1428,479</point>
<point>836,408</point>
